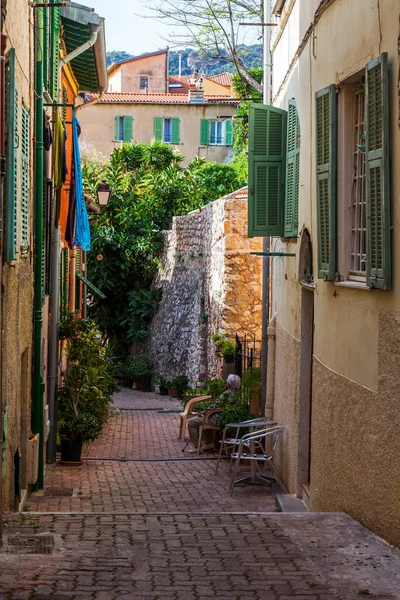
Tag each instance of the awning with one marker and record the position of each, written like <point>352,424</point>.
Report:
<point>91,286</point>
<point>89,67</point>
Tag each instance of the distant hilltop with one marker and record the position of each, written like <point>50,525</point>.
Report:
<point>192,59</point>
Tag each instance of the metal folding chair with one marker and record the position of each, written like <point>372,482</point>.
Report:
<point>267,439</point>
<point>226,443</point>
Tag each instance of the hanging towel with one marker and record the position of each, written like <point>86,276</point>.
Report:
<point>82,228</point>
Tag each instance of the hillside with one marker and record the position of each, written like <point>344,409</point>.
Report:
<point>191,59</point>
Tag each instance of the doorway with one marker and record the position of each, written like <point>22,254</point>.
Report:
<point>306,362</point>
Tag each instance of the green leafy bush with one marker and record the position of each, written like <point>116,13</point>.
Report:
<point>88,382</point>
<point>179,383</point>
<point>139,367</point>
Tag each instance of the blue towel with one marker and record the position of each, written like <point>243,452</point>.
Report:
<point>82,228</point>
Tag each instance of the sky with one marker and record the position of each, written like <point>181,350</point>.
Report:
<point>126,29</point>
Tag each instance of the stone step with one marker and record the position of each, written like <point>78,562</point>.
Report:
<point>289,503</point>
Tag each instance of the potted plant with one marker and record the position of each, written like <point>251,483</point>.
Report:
<point>88,382</point>
<point>141,370</point>
<point>163,388</point>
<point>224,346</point>
<point>252,381</point>
<point>177,386</point>
<point>228,351</point>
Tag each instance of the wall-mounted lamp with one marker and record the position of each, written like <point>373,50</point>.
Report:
<point>103,193</point>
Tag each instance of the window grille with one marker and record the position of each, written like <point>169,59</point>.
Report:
<point>144,82</point>
<point>358,197</point>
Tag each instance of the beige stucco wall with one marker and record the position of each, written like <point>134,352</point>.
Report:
<point>98,126</point>
<point>126,77</point>
<point>354,444</point>
<point>212,88</point>
<point>17,303</point>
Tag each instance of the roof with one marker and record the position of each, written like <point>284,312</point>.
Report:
<point>80,24</point>
<point>179,85</point>
<point>128,98</point>
<point>224,79</point>
<point>133,58</point>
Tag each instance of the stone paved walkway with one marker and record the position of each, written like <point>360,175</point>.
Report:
<point>159,525</point>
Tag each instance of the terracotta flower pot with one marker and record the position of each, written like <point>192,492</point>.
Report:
<point>173,392</point>
<point>138,384</point>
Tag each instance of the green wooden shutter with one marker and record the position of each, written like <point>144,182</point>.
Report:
<point>158,128</point>
<point>204,132</point>
<point>11,138</point>
<point>377,173</point>
<point>228,133</point>
<point>175,131</point>
<point>117,118</point>
<point>267,155</point>
<point>292,172</point>
<point>25,179</point>
<point>326,136</point>
<point>55,51</point>
<point>128,129</point>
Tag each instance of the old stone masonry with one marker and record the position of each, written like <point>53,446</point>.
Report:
<point>141,519</point>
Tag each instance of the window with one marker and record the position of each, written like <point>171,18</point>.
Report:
<point>358,195</point>
<point>25,179</point>
<point>216,132</point>
<point>355,208</point>
<point>144,82</point>
<point>12,143</point>
<point>123,129</point>
<point>167,130</point>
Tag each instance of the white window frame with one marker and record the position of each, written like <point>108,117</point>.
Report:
<point>170,130</point>
<point>146,87</point>
<point>223,133</point>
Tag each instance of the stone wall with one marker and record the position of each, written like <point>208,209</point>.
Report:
<point>210,283</point>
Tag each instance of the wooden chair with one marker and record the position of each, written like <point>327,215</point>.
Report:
<point>206,425</point>
<point>188,412</point>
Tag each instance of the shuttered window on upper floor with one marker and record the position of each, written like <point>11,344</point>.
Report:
<point>326,141</point>
<point>55,31</point>
<point>377,173</point>
<point>375,195</point>
<point>11,141</point>
<point>167,130</point>
<point>292,172</point>
<point>25,153</point>
<point>267,168</point>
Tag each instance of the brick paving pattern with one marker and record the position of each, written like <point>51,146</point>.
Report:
<point>155,529</point>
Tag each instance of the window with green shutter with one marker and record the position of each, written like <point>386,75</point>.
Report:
<point>158,128</point>
<point>377,173</point>
<point>175,130</point>
<point>12,142</point>
<point>25,152</point>
<point>117,128</point>
<point>128,128</point>
<point>204,132</point>
<point>228,133</point>
<point>267,161</point>
<point>326,141</point>
<point>292,172</point>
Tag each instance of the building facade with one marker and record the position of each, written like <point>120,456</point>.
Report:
<point>326,189</point>
<point>42,74</point>
<point>196,128</point>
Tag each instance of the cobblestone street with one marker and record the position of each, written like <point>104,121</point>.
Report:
<point>141,519</point>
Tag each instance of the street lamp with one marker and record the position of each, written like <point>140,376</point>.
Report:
<point>103,193</point>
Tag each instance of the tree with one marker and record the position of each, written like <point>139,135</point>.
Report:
<point>212,27</point>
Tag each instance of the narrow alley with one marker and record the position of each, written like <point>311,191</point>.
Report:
<point>141,519</point>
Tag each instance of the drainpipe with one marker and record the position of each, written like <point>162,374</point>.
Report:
<point>53,341</point>
<point>2,175</point>
<point>91,42</point>
<point>269,403</point>
<point>266,241</point>
<point>38,386</point>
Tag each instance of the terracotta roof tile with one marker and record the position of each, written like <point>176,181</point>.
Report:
<point>224,79</point>
<point>120,97</point>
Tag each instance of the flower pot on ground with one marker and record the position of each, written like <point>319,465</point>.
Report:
<point>140,369</point>
<point>163,390</point>
<point>71,451</point>
<point>88,383</point>
<point>146,384</point>
<point>177,386</point>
